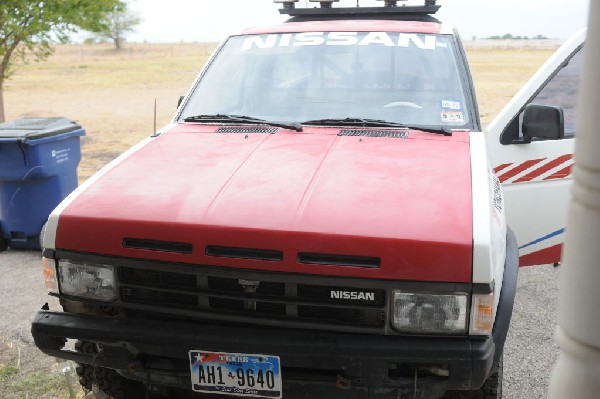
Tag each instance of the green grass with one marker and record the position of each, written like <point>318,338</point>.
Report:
<point>6,372</point>
<point>44,384</point>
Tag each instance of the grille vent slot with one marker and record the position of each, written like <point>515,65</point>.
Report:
<point>338,260</point>
<point>342,315</point>
<point>244,253</point>
<point>234,305</point>
<point>155,278</point>
<point>268,130</point>
<point>160,246</point>
<point>154,297</point>
<point>374,133</point>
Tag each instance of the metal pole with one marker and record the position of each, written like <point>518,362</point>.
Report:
<point>577,372</point>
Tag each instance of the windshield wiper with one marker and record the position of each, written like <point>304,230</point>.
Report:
<point>366,122</point>
<point>363,122</point>
<point>222,118</point>
<point>446,131</point>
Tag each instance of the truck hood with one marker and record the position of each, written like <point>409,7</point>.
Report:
<point>312,202</point>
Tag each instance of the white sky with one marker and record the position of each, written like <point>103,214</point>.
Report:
<point>213,20</point>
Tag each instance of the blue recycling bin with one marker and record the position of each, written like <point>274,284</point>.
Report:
<point>38,169</point>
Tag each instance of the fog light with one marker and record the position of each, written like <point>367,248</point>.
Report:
<point>430,313</point>
<point>87,281</point>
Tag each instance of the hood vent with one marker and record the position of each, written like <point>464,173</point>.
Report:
<point>339,260</point>
<point>374,133</point>
<point>244,253</point>
<point>161,246</point>
<point>268,130</point>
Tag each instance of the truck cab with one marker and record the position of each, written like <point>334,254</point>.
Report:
<point>536,171</point>
<point>320,219</point>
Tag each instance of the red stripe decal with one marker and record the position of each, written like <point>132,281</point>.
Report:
<point>500,167</point>
<point>540,171</point>
<point>515,171</point>
<point>543,257</point>
<point>561,174</point>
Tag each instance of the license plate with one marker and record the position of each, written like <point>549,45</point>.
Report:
<point>236,374</point>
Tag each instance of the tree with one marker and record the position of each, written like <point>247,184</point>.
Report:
<point>29,28</point>
<point>117,23</point>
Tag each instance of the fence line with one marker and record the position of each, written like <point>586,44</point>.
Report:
<point>95,52</point>
<point>547,44</point>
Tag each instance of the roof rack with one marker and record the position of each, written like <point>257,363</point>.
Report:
<point>326,8</point>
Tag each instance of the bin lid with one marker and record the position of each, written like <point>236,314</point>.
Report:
<point>36,128</point>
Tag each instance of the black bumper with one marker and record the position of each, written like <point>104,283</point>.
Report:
<point>314,364</point>
<point>133,347</point>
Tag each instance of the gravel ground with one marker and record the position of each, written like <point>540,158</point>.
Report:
<point>529,355</point>
<point>22,293</point>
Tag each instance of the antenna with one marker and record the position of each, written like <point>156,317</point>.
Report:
<point>154,115</point>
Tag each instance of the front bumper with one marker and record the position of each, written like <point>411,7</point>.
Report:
<point>157,352</point>
<point>315,364</point>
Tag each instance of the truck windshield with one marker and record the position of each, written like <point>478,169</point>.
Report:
<point>405,78</point>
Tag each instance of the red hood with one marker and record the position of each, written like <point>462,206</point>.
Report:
<point>405,201</point>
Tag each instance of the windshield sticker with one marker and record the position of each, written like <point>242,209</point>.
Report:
<point>452,117</point>
<point>420,41</point>
<point>452,105</point>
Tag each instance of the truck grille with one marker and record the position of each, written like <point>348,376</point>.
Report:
<point>255,298</point>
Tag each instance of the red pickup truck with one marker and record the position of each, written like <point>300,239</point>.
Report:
<point>319,220</point>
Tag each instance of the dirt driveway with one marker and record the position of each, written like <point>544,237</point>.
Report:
<point>22,292</point>
<point>529,357</point>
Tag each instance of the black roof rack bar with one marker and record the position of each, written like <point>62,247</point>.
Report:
<point>306,12</point>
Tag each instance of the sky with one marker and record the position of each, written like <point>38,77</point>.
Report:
<point>213,20</point>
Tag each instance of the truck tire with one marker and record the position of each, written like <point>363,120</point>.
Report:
<point>491,388</point>
<point>109,381</point>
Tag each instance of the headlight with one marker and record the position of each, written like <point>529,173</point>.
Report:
<point>430,313</point>
<point>88,281</point>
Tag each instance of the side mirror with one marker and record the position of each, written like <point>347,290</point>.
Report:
<point>179,101</point>
<point>543,122</point>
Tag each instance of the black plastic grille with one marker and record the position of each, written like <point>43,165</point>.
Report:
<point>235,305</point>
<point>234,285</point>
<point>338,260</point>
<point>254,298</point>
<point>269,130</point>
<point>374,133</point>
<point>157,278</point>
<point>351,316</point>
<point>158,297</point>
<point>160,246</point>
<point>244,253</point>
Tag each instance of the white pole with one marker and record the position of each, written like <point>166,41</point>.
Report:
<point>577,372</point>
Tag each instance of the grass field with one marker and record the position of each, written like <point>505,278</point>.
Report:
<point>112,95</point>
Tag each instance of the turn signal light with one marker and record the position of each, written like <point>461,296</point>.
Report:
<point>50,280</point>
<point>482,314</point>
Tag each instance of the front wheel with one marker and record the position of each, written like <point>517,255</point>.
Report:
<point>491,388</point>
<point>109,381</point>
